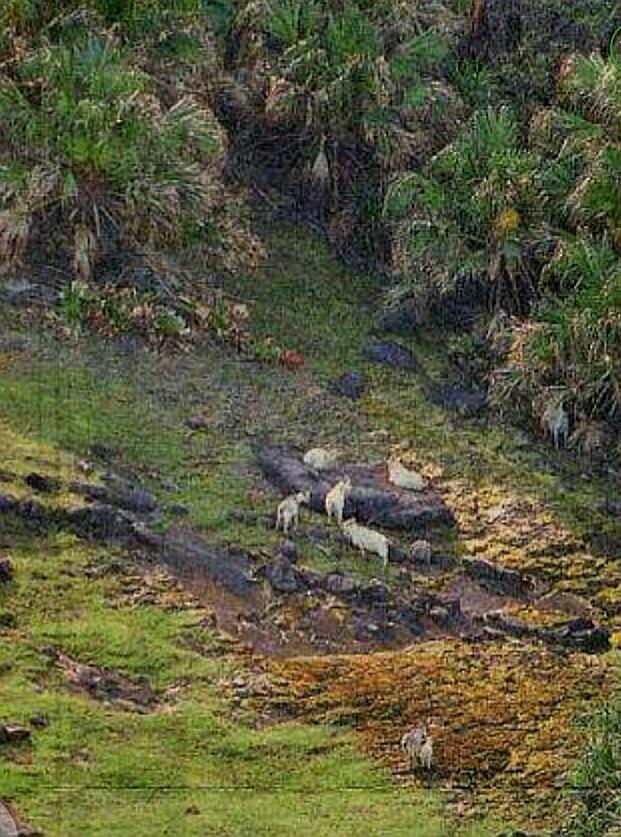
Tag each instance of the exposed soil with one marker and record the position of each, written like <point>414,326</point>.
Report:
<point>108,686</point>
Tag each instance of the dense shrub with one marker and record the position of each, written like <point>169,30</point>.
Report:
<point>86,140</point>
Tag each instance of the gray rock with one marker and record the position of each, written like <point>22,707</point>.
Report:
<point>13,734</point>
<point>42,483</point>
<point>375,592</point>
<point>391,354</point>
<point>349,385</point>
<point>179,510</point>
<point>577,635</point>
<point>102,523</point>
<point>403,317</point>
<point>197,423</point>
<point>499,579</point>
<point>341,585</point>
<point>118,493</point>
<point>457,397</point>
<point>440,615</point>
<point>287,549</point>
<point>420,552</point>
<point>8,827</point>
<point>316,534</point>
<point>396,553</point>
<point>369,500</point>
<point>21,291</point>
<point>282,576</point>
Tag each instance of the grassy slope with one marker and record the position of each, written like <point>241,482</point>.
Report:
<point>122,772</point>
<point>64,399</point>
<point>97,769</point>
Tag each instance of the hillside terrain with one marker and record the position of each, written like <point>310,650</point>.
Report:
<point>231,232</point>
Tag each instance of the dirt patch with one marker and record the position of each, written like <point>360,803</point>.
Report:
<point>108,686</point>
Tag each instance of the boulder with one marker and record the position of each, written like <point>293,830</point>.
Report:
<point>119,493</point>
<point>499,579</point>
<point>577,635</point>
<point>101,523</point>
<point>370,500</point>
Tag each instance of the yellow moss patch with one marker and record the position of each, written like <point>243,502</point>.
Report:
<point>22,455</point>
<point>505,713</point>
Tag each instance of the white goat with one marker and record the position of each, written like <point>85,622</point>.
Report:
<point>417,742</point>
<point>367,540</point>
<point>319,458</point>
<point>426,753</point>
<point>288,511</point>
<point>335,499</point>
<point>403,478</point>
<point>555,422</point>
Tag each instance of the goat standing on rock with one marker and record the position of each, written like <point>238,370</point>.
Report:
<point>288,511</point>
<point>335,499</point>
<point>367,540</point>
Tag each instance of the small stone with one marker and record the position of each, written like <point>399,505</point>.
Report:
<point>375,591</point>
<point>396,553</point>
<point>341,585</point>
<point>85,466</point>
<point>288,549</point>
<point>193,810</point>
<point>420,552</point>
<point>457,397</point>
<point>197,423</point>
<point>349,385</point>
<point>179,510</point>
<point>13,734</point>
<point>39,721</point>
<point>440,614</point>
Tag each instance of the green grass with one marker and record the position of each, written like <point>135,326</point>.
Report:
<point>143,772</point>
<point>310,302</point>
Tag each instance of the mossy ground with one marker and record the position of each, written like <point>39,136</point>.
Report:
<point>120,771</point>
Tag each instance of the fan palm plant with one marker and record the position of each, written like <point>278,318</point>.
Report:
<point>87,142</point>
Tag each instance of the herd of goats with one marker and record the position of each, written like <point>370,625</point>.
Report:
<point>416,742</point>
